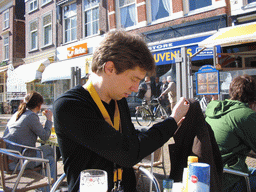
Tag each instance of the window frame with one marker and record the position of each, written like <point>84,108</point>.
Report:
<point>45,3</point>
<point>6,20</point>
<point>30,35</point>
<point>4,48</point>
<point>163,19</point>
<point>118,15</point>
<point>248,5</point>
<point>43,29</point>
<point>64,25</point>
<point>91,21</point>
<point>34,8</point>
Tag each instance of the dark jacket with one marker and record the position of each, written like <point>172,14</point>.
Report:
<point>195,137</point>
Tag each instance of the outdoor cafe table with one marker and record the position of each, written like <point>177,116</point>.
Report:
<point>52,141</point>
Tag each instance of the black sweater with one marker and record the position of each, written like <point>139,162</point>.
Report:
<point>87,141</point>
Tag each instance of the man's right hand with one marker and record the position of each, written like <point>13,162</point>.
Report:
<point>180,110</point>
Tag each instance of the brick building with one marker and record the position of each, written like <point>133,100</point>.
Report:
<point>12,40</point>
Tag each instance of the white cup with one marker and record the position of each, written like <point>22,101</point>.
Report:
<point>92,180</point>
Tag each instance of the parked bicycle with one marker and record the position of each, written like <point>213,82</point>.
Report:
<point>144,114</point>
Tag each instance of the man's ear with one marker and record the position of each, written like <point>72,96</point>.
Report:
<point>109,67</point>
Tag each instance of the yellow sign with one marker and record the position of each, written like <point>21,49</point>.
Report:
<point>77,50</point>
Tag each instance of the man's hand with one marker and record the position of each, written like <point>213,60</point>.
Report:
<point>180,110</point>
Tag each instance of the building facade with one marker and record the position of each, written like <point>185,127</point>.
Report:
<point>12,41</point>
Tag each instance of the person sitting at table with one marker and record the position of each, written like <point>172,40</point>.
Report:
<point>24,128</point>
<point>93,122</point>
<point>234,124</point>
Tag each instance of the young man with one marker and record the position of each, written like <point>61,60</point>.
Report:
<point>93,122</point>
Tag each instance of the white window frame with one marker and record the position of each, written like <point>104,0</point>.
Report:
<point>45,2</point>
<point>30,35</point>
<point>215,4</point>
<point>34,3</point>
<point>118,15</point>
<point>6,21</point>
<point>6,46</point>
<point>248,5</point>
<point>64,19</point>
<point>164,19</point>
<point>44,27</point>
<point>91,21</point>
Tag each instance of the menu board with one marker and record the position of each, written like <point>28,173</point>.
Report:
<point>207,80</point>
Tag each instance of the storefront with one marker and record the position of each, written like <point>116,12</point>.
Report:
<point>238,53</point>
<point>78,55</point>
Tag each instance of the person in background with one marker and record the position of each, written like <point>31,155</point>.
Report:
<point>158,85</point>
<point>149,87</point>
<point>234,124</point>
<point>164,98</point>
<point>204,102</point>
<point>171,92</point>
<point>93,122</point>
<point>24,128</point>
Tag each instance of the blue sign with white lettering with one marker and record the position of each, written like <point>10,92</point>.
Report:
<point>166,53</point>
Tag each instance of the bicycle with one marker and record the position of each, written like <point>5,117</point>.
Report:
<point>145,116</point>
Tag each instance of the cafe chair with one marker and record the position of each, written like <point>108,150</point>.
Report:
<point>151,177</point>
<point>239,173</point>
<point>58,182</point>
<point>23,180</point>
<point>157,162</point>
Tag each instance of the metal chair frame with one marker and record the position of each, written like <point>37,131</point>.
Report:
<point>239,173</point>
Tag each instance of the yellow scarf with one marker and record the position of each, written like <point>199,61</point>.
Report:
<point>103,110</point>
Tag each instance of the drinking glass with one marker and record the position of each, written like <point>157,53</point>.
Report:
<point>93,180</point>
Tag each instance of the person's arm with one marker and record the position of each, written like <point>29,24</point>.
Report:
<point>35,125</point>
<point>83,123</point>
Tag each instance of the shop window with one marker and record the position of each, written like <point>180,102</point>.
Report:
<point>33,5</point>
<point>6,48</point>
<point>197,4</point>
<point>160,9</point>
<point>126,13</point>
<point>33,28</point>
<point>47,29</point>
<point>70,18</point>
<point>91,17</point>
<point>6,19</point>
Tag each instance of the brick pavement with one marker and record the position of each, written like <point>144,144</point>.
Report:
<point>144,183</point>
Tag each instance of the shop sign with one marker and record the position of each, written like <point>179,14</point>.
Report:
<point>207,81</point>
<point>77,50</point>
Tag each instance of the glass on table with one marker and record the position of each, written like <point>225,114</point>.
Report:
<point>92,180</point>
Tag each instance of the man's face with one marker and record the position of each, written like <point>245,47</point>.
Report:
<point>125,83</point>
<point>157,79</point>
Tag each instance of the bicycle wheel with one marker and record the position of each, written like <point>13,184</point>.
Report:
<point>143,117</point>
<point>161,113</point>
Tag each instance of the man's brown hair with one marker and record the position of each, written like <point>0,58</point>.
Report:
<point>243,88</point>
<point>125,50</point>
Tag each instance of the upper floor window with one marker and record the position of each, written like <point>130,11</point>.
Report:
<point>33,29</point>
<point>160,9</point>
<point>6,19</point>
<point>33,5</point>
<point>251,1</point>
<point>127,13</point>
<point>70,22</point>
<point>6,48</point>
<point>91,17</point>
<point>197,4</point>
<point>45,1</point>
<point>47,29</point>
